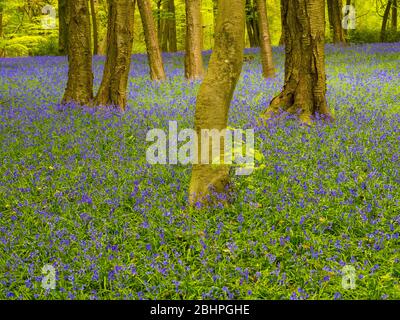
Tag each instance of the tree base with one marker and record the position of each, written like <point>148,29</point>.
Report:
<point>299,101</point>
<point>210,185</point>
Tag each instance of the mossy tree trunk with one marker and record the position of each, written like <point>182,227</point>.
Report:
<point>193,58</point>
<point>265,40</point>
<point>335,21</point>
<point>80,77</point>
<point>394,16</point>
<point>157,72</point>
<point>305,79</point>
<point>215,96</point>
<point>112,91</point>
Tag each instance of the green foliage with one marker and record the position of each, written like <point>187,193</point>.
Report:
<point>370,36</point>
<point>22,18</point>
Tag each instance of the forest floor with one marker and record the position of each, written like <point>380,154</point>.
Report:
<point>77,193</point>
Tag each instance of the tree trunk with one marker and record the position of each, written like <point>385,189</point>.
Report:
<point>112,91</point>
<point>282,39</point>
<point>252,24</point>
<point>94,24</point>
<point>385,20</point>
<point>265,40</point>
<point>335,20</point>
<point>80,77</point>
<point>193,57</point>
<point>305,79</point>
<point>394,16</point>
<point>150,33</point>
<point>215,14</point>
<point>168,27</point>
<point>159,20</point>
<point>172,41</point>
<point>1,19</point>
<point>62,28</point>
<point>215,96</point>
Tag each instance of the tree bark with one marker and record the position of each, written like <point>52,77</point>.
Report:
<point>80,77</point>
<point>385,20</point>
<point>265,40</point>
<point>94,25</point>
<point>172,41</point>
<point>394,16</point>
<point>112,91</point>
<point>252,24</point>
<point>62,28</point>
<point>193,57</point>
<point>159,20</point>
<point>305,78</point>
<point>168,27</point>
<point>335,20</point>
<point>215,96</point>
<point>282,39</point>
<point>215,14</point>
<point>1,19</point>
<point>153,49</point>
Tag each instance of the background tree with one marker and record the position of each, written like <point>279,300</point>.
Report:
<point>1,18</point>
<point>167,35</point>
<point>153,49</point>
<point>80,77</point>
<point>265,40</point>
<point>94,28</point>
<point>282,38</point>
<point>385,20</point>
<point>112,90</point>
<point>252,25</point>
<point>62,28</point>
<point>335,20</point>
<point>305,79</point>
<point>394,16</point>
<point>216,93</point>
<point>194,38</point>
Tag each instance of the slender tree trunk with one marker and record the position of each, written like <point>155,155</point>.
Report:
<point>172,41</point>
<point>282,39</point>
<point>215,96</point>
<point>305,79</point>
<point>159,20</point>
<point>1,18</point>
<point>168,27</point>
<point>193,57</point>
<point>252,24</point>
<point>385,20</point>
<point>62,28</point>
<point>153,49</point>
<point>335,20</point>
<point>80,77</point>
<point>265,40</point>
<point>165,26</point>
<point>112,91</point>
<point>94,24</point>
<point>394,16</point>
<point>215,14</point>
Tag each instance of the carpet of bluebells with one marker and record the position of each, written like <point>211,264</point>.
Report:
<point>77,193</point>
